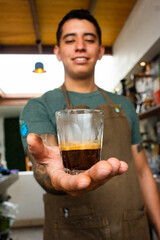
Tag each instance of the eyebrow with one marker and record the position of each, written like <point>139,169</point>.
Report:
<point>85,34</point>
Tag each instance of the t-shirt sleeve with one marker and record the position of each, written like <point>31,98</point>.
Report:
<point>35,118</point>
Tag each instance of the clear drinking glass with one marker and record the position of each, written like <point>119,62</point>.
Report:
<point>80,137</point>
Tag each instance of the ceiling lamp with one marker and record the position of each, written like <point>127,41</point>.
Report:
<point>143,64</point>
<point>39,68</point>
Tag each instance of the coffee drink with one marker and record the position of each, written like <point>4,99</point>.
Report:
<point>80,138</point>
<point>80,157</point>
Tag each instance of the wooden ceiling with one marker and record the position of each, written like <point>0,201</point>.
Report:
<point>29,26</point>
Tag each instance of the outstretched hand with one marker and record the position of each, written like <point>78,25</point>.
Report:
<point>74,185</point>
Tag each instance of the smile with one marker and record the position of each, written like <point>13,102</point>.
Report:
<point>80,60</point>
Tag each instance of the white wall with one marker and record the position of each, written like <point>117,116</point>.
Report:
<point>138,35</point>
<point>28,194</point>
<point>6,112</point>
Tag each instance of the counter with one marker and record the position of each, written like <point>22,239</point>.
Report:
<point>6,181</point>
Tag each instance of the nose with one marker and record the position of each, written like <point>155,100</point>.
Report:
<point>80,45</point>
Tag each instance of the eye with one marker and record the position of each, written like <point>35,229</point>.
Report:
<point>69,41</point>
<point>90,40</point>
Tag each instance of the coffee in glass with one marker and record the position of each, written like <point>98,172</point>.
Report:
<point>80,136</point>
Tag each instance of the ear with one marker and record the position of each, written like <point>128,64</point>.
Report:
<point>56,51</point>
<point>101,52</point>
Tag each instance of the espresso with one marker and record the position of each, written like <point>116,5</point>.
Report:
<point>80,157</point>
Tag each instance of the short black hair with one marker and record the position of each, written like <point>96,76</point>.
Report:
<point>78,14</point>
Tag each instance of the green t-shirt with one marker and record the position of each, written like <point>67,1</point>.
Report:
<point>38,115</point>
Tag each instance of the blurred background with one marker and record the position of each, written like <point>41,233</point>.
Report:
<point>28,68</point>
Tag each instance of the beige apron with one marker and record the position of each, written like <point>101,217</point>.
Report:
<point>114,211</point>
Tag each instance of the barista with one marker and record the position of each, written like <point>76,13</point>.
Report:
<point>96,204</point>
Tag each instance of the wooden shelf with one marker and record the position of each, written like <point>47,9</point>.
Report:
<point>153,111</point>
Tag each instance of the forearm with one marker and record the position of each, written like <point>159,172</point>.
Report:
<point>148,186</point>
<point>151,198</point>
<point>42,177</point>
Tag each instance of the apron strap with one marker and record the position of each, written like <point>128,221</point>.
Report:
<point>69,103</point>
<point>106,96</point>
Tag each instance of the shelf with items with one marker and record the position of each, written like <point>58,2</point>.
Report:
<point>145,88</point>
<point>153,111</point>
<point>144,85</point>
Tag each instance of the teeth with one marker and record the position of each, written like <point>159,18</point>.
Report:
<point>80,59</point>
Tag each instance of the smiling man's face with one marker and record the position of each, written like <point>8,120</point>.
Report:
<point>79,48</point>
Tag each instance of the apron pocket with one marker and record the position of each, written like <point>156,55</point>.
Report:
<point>68,219</point>
<point>135,225</point>
<point>76,222</point>
<point>82,228</point>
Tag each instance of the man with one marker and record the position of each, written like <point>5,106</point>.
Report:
<point>96,204</point>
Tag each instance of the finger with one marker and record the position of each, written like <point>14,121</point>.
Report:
<point>100,171</point>
<point>35,144</point>
<point>115,163</point>
<point>118,167</point>
<point>70,183</point>
<point>123,168</point>
<point>107,169</point>
<point>38,150</point>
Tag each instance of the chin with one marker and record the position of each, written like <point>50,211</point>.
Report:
<point>83,76</point>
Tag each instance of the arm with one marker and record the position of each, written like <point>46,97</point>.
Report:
<point>39,170</point>
<point>148,187</point>
<point>49,171</point>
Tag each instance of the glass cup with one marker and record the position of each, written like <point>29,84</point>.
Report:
<point>80,137</point>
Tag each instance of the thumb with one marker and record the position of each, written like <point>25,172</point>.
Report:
<point>35,145</point>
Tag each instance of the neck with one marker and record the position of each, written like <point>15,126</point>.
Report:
<point>81,86</point>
